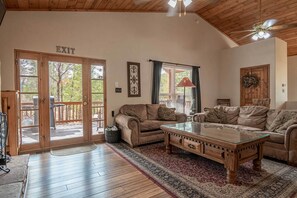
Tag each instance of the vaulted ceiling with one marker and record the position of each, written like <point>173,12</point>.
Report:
<point>225,15</point>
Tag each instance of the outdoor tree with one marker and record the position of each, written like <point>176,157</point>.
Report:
<point>65,81</point>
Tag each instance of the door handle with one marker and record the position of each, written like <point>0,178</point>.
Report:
<point>41,100</point>
<point>85,103</point>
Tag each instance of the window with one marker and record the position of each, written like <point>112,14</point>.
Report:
<point>171,95</point>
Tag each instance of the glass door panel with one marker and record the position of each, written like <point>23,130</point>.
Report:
<point>66,106</point>
<point>29,103</point>
<point>97,98</point>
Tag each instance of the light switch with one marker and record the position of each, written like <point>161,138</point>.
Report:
<point>116,84</point>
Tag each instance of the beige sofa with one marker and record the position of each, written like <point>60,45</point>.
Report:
<point>281,125</point>
<point>140,123</point>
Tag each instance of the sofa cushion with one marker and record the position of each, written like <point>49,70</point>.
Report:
<point>152,111</point>
<point>283,120</point>
<point>275,137</point>
<point>230,114</point>
<point>150,125</point>
<point>165,113</point>
<point>253,116</point>
<point>139,111</point>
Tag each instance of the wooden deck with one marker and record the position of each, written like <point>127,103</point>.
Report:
<point>65,121</point>
<point>99,173</point>
<point>62,131</point>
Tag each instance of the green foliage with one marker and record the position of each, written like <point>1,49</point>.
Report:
<point>28,73</point>
<point>65,81</point>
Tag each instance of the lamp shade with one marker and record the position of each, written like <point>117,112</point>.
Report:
<point>185,82</point>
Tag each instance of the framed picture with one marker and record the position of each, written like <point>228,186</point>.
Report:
<point>134,87</point>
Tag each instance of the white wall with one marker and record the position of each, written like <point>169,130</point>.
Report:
<point>253,54</point>
<point>281,72</point>
<point>118,38</point>
<point>292,78</point>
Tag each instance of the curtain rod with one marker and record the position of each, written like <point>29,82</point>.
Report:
<point>150,60</point>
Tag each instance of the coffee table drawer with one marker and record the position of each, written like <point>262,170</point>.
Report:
<point>214,152</point>
<point>175,139</point>
<point>191,145</point>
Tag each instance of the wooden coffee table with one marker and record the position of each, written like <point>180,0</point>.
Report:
<point>224,145</point>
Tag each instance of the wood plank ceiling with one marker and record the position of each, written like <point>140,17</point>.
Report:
<point>225,15</point>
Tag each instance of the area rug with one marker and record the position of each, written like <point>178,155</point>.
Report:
<point>183,174</point>
<point>73,150</point>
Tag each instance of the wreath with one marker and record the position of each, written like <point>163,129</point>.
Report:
<point>249,80</point>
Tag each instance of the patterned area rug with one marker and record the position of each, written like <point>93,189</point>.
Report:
<point>187,175</point>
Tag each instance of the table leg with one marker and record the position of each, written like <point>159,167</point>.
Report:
<point>231,176</point>
<point>167,144</point>
<point>257,164</point>
<point>231,164</point>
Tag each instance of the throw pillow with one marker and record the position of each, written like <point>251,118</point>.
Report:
<point>211,116</point>
<point>228,115</point>
<point>282,119</point>
<point>134,114</point>
<point>271,115</point>
<point>283,128</point>
<point>167,114</point>
<point>215,115</point>
<point>152,111</point>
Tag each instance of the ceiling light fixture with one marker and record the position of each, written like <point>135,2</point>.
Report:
<point>186,3</point>
<point>173,3</point>
<point>261,32</point>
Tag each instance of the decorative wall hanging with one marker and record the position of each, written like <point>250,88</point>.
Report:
<point>134,79</point>
<point>249,80</point>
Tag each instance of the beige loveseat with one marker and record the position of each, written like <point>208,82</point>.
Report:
<point>140,123</point>
<point>281,125</point>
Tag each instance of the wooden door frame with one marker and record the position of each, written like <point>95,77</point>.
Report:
<point>34,56</point>
<point>255,67</point>
<point>98,137</point>
<point>44,132</point>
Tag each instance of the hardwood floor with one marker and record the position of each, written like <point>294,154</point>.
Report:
<point>99,173</point>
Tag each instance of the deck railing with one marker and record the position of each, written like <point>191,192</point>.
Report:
<point>177,104</point>
<point>63,112</point>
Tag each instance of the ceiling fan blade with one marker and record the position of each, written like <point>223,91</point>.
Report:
<point>269,23</point>
<point>246,36</point>
<point>285,26</point>
<point>171,11</point>
<point>139,2</point>
<point>241,31</point>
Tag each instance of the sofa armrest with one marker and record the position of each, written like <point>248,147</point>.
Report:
<point>129,128</point>
<point>199,117</point>
<point>125,121</point>
<point>181,117</point>
<point>291,144</point>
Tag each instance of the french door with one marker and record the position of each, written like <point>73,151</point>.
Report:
<point>62,100</point>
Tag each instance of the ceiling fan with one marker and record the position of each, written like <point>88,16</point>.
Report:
<point>263,30</point>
